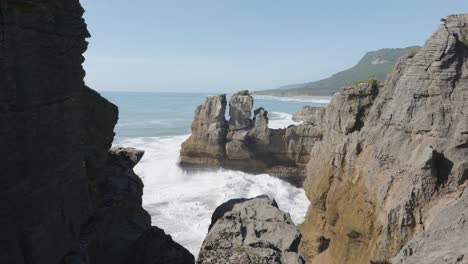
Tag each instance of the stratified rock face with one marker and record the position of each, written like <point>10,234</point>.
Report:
<point>65,198</point>
<point>247,144</point>
<point>251,231</point>
<point>445,237</point>
<point>206,145</point>
<point>240,110</point>
<point>121,231</point>
<point>310,114</point>
<point>389,157</point>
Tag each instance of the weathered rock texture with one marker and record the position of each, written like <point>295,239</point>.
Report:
<point>247,144</point>
<point>206,145</point>
<point>310,114</point>
<point>388,176</point>
<point>65,199</point>
<point>251,231</point>
<point>240,110</point>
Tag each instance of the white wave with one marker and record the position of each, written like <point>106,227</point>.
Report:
<point>140,123</point>
<point>280,120</point>
<point>305,99</point>
<point>182,203</point>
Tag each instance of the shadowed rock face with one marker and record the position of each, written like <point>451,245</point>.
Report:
<point>251,231</point>
<point>247,144</point>
<point>390,157</point>
<point>65,198</point>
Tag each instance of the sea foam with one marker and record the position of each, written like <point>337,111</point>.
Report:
<point>182,203</point>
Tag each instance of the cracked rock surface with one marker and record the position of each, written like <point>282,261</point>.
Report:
<point>389,157</point>
<point>251,231</point>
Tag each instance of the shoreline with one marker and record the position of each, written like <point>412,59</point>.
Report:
<point>305,98</point>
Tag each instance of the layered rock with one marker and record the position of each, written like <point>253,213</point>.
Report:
<point>65,198</point>
<point>247,144</point>
<point>310,114</point>
<point>251,231</point>
<point>206,145</point>
<point>240,110</point>
<point>388,176</point>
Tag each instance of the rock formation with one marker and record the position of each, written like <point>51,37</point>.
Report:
<point>387,181</point>
<point>251,231</point>
<point>65,198</point>
<point>206,145</point>
<point>310,114</point>
<point>240,110</point>
<point>247,144</point>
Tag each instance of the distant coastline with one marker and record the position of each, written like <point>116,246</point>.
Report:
<point>304,98</point>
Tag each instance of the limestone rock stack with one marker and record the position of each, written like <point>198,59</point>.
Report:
<point>240,110</point>
<point>247,144</point>
<point>389,176</point>
<point>206,145</point>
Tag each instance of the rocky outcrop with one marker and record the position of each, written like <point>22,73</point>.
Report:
<point>121,231</point>
<point>240,110</point>
<point>310,114</point>
<point>444,238</point>
<point>206,145</point>
<point>65,198</point>
<point>386,181</point>
<point>251,231</point>
<point>247,144</point>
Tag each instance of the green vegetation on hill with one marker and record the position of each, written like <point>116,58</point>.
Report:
<point>374,65</point>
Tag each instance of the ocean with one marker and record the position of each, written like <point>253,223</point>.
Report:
<point>181,202</point>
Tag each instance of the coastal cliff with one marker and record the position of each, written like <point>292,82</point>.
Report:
<point>65,197</point>
<point>387,181</point>
<point>246,143</point>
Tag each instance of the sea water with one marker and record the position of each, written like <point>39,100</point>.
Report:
<point>182,203</point>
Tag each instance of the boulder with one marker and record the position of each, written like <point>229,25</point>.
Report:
<point>251,231</point>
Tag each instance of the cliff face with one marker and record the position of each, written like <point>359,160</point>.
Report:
<point>247,144</point>
<point>392,160</point>
<point>65,198</point>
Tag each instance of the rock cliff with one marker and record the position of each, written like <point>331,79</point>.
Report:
<point>66,199</point>
<point>247,144</point>
<point>387,181</point>
<point>251,231</point>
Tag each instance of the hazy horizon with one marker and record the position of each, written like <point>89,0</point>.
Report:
<point>220,46</point>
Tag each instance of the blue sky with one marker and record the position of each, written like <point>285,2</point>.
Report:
<point>223,46</point>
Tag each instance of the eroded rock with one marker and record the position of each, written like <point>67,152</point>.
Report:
<point>251,231</point>
<point>206,145</point>
<point>388,155</point>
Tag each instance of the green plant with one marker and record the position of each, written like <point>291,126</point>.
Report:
<point>465,41</point>
<point>372,81</point>
<point>412,53</point>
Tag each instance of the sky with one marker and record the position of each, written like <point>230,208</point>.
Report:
<point>231,45</point>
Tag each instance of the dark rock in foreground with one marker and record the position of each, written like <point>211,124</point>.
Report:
<point>251,231</point>
<point>65,198</point>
